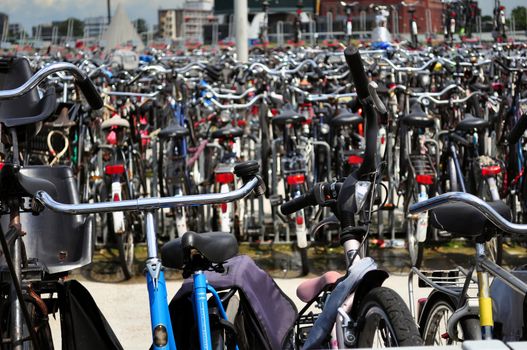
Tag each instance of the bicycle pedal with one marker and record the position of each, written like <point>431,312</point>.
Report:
<point>444,234</point>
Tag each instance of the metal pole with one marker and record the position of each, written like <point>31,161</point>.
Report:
<point>428,14</point>
<point>362,22</point>
<point>109,12</point>
<point>5,30</point>
<point>478,25</point>
<point>240,15</point>
<point>280,33</point>
<point>312,30</point>
<point>329,21</point>
<point>215,34</point>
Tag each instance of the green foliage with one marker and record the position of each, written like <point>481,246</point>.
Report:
<point>520,17</point>
<point>78,27</point>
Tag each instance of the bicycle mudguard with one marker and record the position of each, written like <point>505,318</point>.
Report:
<point>326,319</point>
<point>82,324</point>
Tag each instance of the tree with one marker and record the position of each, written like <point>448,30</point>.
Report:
<point>140,25</point>
<point>78,27</point>
<point>520,17</point>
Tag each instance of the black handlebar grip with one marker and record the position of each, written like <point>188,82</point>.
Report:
<point>518,129</point>
<point>90,93</point>
<point>299,203</point>
<point>358,74</point>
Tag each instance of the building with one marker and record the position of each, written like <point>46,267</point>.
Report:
<point>185,23</point>
<point>94,27</point>
<point>4,21</point>
<point>435,7</point>
<point>15,29</point>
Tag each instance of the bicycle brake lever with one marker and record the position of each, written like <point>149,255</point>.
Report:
<point>377,103</point>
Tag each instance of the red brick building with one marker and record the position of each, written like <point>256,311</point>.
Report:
<point>435,7</point>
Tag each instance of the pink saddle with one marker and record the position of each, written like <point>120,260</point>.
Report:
<point>309,289</point>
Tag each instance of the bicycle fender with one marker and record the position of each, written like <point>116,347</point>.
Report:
<point>326,319</point>
<point>372,279</point>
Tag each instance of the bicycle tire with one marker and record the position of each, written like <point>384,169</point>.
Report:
<point>384,307</point>
<point>431,320</point>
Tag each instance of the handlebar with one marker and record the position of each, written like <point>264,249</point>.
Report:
<point>306,200</point>
<point>450,101</point>
<point>236,105</point>
<point>474,201</point>
<point>81,80</point>
<point>409,69</point>
<point>229,96</point>
<point>45,200</point>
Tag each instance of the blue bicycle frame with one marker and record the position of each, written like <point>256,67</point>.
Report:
<point>161,325</point>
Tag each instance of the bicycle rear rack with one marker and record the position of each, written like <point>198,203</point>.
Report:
<point>422,164</point>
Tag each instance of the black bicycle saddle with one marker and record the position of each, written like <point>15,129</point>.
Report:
<point>464,220</point>
<point>216,247</point>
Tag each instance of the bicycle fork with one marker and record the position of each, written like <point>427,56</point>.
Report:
<point>161,325</point>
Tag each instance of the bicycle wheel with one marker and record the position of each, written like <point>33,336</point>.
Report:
<point>433,324</point>
<point>385,321</point>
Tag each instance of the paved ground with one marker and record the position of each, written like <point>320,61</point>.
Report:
<point>125,304</point>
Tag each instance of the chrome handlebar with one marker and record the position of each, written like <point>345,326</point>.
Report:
<point>143,204</point>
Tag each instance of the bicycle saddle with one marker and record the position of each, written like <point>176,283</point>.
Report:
<point>20,184</point>
<point>216,247</point>
<point>29,108</point>
<point>344,118</point>
<point>417,117</point>
<point>288,116</point>
<point>115,121</point>
<point>470,123</point>
<point>173,131</point>
<point>227,132</point>
<point>464,220</point>
<point>312,287</point>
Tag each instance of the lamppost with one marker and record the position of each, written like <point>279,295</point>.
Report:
<point>297,24</point>
<point>348,7</point>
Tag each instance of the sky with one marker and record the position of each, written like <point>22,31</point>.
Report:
<point>33,12</point>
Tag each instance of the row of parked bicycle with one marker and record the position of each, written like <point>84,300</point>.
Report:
<point>178,146</point>
<point>177,126</point>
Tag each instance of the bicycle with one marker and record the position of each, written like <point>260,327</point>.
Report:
<point>449,303</point>
<point>194,253</point>
<point>355,307</point>
<point>35,263</point>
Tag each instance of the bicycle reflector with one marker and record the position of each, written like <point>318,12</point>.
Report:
<point>424,179</point>
<point>296,179</point>
<point>490,170</point>
<point>224,178</point>
<point>115,169</point>
<point>355,160</point>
